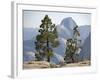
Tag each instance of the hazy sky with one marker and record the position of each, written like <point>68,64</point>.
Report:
<point>32,19</point>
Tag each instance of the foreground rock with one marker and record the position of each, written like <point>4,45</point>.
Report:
<point>36,64</point>
<point>79,64</point>
<point>45,64</point>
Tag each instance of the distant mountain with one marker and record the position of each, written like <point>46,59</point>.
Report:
<point>29,49</point>
<point>84,32</point>
<point>69,23</point>
<point>29,36</point>
<point>85,54</point>
<point>28,56</point>
<point>65,31</point>
<point>28,45</point>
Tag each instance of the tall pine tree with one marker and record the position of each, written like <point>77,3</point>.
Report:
<point>47,39</point>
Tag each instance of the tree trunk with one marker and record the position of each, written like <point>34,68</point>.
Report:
<point>48,57</point>
<point>72,59</point>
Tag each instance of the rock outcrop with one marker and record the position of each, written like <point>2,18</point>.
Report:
<point>36,64</point>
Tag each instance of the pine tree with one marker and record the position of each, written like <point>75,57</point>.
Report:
<point>72,45</point>
<point>47,39</point>
<point>70,50</point>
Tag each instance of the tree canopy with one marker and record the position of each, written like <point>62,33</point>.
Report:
<point>47,39</point>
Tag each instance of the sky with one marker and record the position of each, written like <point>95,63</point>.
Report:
<point>32,19</point>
